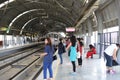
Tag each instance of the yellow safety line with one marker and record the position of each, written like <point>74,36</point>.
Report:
<point>56,70</point>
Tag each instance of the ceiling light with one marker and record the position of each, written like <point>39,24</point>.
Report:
<point>87,1</point>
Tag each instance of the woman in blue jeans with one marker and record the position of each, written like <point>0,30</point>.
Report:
<point>48,58</point>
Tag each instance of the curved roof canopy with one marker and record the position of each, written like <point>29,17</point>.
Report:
<point>40,16</point>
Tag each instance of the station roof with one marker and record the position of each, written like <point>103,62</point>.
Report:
<point>40,16</point>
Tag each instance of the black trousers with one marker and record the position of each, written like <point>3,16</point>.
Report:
<point>74,66</point>
<point>80,61</point>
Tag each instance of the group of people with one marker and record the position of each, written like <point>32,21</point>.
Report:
<point>75,49</point>
<point>73,45</point>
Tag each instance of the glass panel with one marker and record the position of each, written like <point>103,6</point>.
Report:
<point>114,37</point>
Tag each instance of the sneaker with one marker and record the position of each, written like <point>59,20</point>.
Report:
<point>108,71</point>
<point>112,72</point>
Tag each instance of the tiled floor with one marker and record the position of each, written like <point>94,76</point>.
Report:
<point>92,69</point>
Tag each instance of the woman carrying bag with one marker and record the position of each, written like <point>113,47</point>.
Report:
<point>48,59</point>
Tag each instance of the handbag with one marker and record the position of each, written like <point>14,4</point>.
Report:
<point>78,54</point>
<point>64,49</point>
<point>54,57</point>
<point>114,63</point>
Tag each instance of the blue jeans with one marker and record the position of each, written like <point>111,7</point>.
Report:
<point>61,59</point>
<point>108,59</point>
<point>48,66</point>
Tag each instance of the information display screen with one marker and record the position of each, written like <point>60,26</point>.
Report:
<point>70,29</point>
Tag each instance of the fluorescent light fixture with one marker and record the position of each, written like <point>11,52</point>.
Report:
<point>20,16</point>
<point>26,24</point>
<point>3,29</point>
<point>87,1</point>
<point>5,3</point>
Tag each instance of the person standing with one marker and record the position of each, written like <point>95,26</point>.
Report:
<point>80,47</point>
<point>48,58</point>
<point>61,50</point>
<point>110,55</point>
<point>73,52</point>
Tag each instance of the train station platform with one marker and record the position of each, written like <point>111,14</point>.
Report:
<point>17,46</point>
<point>92,69</point>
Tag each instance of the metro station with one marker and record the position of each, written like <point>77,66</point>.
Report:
<point>26,24</point>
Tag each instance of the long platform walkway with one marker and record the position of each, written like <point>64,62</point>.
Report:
<point>92,69</point>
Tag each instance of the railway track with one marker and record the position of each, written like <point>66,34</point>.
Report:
<point>15,65</point>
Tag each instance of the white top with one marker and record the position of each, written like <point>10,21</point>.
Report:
<point>109,50</point>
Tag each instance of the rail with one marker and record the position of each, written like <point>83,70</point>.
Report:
<point>30,72</point>
<point>16,60</point>
<point>24,72</point>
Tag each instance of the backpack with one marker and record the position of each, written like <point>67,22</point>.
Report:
<point>61,48</point>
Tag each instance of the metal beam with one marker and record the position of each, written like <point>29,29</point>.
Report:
<point>87,11</point>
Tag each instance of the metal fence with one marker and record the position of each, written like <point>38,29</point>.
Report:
<point>107,39</point>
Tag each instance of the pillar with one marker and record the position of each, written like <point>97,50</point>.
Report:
<point>100,27</point>
<point>4,41</point>
<point>117,2</point>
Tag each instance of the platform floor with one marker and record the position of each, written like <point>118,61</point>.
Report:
<point>92,69</point>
